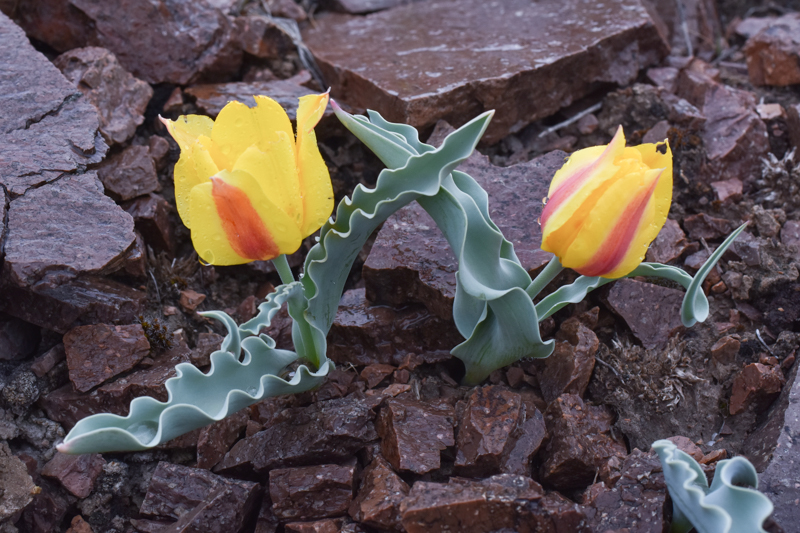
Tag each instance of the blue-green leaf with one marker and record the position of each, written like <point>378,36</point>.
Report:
<point>728,506</point>
<point>196,399</point>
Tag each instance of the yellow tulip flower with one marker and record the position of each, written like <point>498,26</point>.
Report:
<point>245,186</point>
<point>606,205</point>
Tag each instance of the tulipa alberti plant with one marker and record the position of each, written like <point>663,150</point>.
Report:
<point>251,189</point>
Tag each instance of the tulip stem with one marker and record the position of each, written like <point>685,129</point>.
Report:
<point>283,268</point>
<point>547,275</point>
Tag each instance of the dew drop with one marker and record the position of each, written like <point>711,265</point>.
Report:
<point>252,391</point>
<point>544,200</point>
<point>539,220</point>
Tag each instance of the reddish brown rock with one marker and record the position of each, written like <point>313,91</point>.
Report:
<point>97,353</point>
<point>580,442</point>
<point>129,173</point>
<point>651,311</point>
<point>48,128</point>
<point>362,7</point>
<point>260,36</point>
<point>18,339</point>
<point>702,226</point>
<point>734,137</point>
<point>120,99</point>
<point>67,406</point>
<point>207,343</point>
<point>311,492</point>
<point>60,302</point>
<point>688,447</point>
<point>363,334</point>
<point>413,434</point>
<point>728,190</point>
<point>79,525</point>
<point>151,215</point>
<point>635,503</point>
<point>723,357</point>
<point>69,225</point>
<point>326,431</point>
<point>210,99</point>
<point>793,124</point>
<point>330,525</point>
<point>48,360</point>
<point>756,384</point>
<point>569,368</point>
<point>77,473</point>
<point>216,439</point>
<point>412,262</point>
<point>45,513</point>
<point>15,482</point>
<point>517,57</point>
<point>497,503</point>
<point>190,299</point>
<point>486,430</point>
<point>669,245</point>
<point>208,51</point>
<point>206,502</point>
<point>694,23</point>
<point>374,374</point>
<point>378,501</point>
<point>529,437</point>
<point>773,53</point>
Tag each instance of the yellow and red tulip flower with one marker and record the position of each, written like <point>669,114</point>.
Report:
<point>245,185</point>
<point>606,205</point>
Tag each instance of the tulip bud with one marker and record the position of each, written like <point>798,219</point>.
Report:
<point>606,205</point>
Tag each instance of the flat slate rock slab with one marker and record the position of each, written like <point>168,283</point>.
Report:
<point>454,59</point>
<point>411,260</point>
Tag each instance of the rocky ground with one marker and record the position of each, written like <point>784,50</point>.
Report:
<point>100,287</point>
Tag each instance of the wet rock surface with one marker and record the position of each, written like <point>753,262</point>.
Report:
<point>651,311</point>
<point>207,51</point>
<point>77,473</point>
<point>413,434</point>
<point>206,502</point>
<point>311,492</point>
<point>489,57</point>
<point>326,431</point>
<point>211,98</point>
<point>120,99</point>
<point>496,503</point>
<point>98,353</point>
<point>366,334</point>
<point>773,52</point>
<point>580,442</point>
<point>378,501</point>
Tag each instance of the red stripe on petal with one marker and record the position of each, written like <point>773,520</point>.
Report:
<point>574,183</point>
<point>616,246</point>
<point>246,232</point>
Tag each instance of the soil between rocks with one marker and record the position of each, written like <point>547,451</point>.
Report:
<point>392,442</point>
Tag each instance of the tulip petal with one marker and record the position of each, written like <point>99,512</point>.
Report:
<point>187,128</point>
<point>577,180</point>
<point>234,131</point>
<point>235,223</point>
<point>194,167</point>
<point>275,172</point>
<point>271,121</point>
<point>315,181</point>
<point>614,241</point>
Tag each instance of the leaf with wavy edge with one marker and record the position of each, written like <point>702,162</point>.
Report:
<point>694,308</point>
<point>725,507</point>
<point>196,399</point>
<point>418,176</point>
<point>491,309</point>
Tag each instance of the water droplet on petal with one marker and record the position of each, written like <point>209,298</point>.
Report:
<point>544,200</point>
<point>539,220</point>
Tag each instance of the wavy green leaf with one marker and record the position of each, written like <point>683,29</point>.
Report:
<point>196,399</point>
<point>728,506</point>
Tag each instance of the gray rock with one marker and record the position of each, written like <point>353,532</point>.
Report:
<point>16,486</point>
